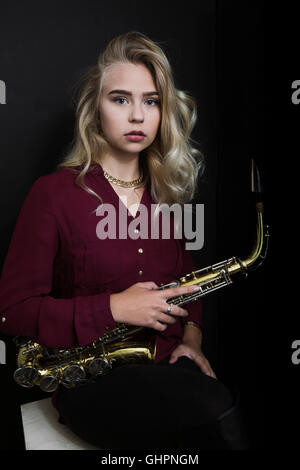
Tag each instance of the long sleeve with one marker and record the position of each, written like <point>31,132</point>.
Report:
<point>26,305</point>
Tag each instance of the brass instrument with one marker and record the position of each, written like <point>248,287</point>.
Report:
<point>48,368</point>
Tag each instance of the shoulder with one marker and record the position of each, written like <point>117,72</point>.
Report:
<point>59,189</point>
<point>51,188</point>
<point>56,183</point>
<point>56,178</point>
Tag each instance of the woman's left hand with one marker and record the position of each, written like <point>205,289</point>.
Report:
<point>194,352</point>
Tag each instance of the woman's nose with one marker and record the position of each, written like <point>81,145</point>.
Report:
<point>136,113</point>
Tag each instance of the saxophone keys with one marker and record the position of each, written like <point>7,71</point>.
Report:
<point>49,383</point>
<point>73,375</point>
<point>26,376</point>
<point>99,366</point>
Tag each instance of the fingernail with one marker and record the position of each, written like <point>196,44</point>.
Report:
<point>196,288</point>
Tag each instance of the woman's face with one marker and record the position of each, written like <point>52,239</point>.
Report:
<point>135,108</point>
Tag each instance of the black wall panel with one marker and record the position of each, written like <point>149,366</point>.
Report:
<point>216,51</point>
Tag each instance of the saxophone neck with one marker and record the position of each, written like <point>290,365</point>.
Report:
<point>260,248</point>
<point>258,252</point>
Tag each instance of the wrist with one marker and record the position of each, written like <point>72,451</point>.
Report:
<point>114,306</point>
<point>192,333</point>
<point>193,324</point>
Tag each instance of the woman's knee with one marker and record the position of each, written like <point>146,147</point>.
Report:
<point>219,400</point>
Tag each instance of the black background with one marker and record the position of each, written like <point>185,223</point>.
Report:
<point>230,56</point>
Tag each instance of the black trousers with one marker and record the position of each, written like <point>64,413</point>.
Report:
<point>157,406</point>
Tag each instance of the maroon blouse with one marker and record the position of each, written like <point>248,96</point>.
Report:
<point>58,275</point>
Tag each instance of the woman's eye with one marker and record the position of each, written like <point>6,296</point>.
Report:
<point>117,99</point>
<point>154,102</point>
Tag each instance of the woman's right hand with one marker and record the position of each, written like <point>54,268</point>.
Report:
<point>143,305</point>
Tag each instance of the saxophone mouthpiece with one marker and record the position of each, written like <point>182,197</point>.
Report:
<point>256,185</point>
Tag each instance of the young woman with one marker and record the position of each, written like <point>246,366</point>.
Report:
<point>64,283</point>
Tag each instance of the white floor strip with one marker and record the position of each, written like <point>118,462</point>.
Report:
<point>43,431</point>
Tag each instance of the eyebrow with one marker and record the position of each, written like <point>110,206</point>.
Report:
<point>125,92</point>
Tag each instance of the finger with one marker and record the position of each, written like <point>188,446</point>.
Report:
<point>173,358</point>
<point>181,312</point>
<point>204,365</point>
<point>211,372</point>
<point>176,291</point>
<point>159,326</point>
<point>147,285</point>
<point>169,319</point>
<point>207,369</point>
<point>175,310</point>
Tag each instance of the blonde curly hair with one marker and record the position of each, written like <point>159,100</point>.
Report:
<point>170,163</point>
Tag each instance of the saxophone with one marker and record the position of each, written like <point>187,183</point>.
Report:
<point>126,344</point>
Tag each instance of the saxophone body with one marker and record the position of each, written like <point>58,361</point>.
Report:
<point>127,344</point>
<point>48,368</point>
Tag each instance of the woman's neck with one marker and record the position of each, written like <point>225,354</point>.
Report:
<point>126,169</point>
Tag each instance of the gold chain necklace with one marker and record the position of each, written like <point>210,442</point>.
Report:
<point>124,184</point>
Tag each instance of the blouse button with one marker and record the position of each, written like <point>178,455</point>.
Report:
<point>140,250</point>
<point>140,273</point>
<point>3,319</point>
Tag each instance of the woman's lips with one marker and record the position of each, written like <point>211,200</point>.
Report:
<point>135,137</point>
